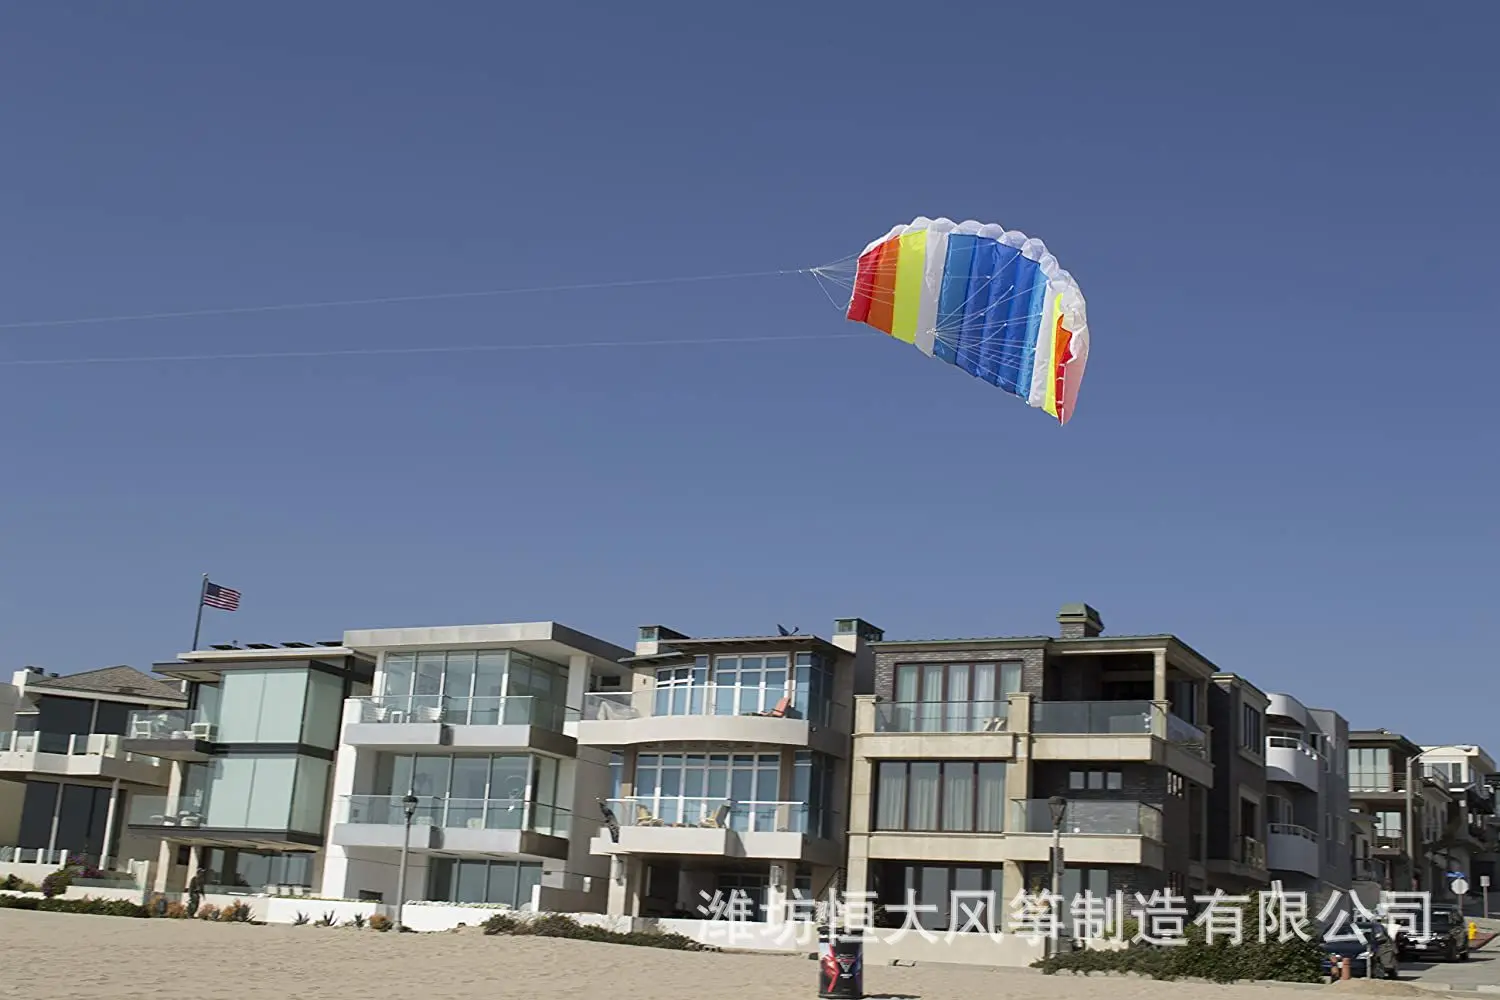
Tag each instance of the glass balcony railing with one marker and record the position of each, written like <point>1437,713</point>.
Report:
<point>1377,782</point>
<point>1116,718</point>
<point>1126,818</point>
<point>457,814</point>
<point>69,745</point>
<point>508,710</point>
<point>711,813</point>
<point>1249,851</point>
<point>942,716</point>
<point>1292,743</point>
<point>171,724</point>
<point>165,811</point>
<point>704,699</point>
<point>1103,717</point>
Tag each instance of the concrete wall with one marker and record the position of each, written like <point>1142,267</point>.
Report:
<point>1333,794</point>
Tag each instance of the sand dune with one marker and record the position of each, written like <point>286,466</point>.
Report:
<point>55,956</point>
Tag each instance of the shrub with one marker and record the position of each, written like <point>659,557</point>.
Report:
<point>301,919</point>
<point>176,911</point>
<point>558,926</point>
<point>234,913</point>
<point>97,907</point>
<point>380,922</point>
<point>57,883</point>
<point>11,883</point>
<point>208,911</point>
<point>328,919</point>
<point>357,921</point>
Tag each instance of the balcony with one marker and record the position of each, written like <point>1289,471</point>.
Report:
<point>955,730</point>
<point>78,755</point>
<point>1293,761</point>
<point>1365,783</point>
<point>504,827</point>
<point>714,827</point>
<point>172,734</point>
<point>1120,730</point>
<point>1101,832</point>
<point>1251,853</point>
<point>942,717</point>
<point>1292,848</point>
<point>708,713</point>
<point>406,722</point>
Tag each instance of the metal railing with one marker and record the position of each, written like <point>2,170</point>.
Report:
<point>33,856</point>
<point>711,813</point>
<point>1292,830</point>
<point>703,699</point>
<point>171,724</point>
<point>1251,852</point>
<point>1118,818</point>
<point>457,814</point>
<point>71,745</point>
<point>992,716</point>
<point>507,710</point>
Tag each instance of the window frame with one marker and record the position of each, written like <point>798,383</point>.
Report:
<point>940,806</point>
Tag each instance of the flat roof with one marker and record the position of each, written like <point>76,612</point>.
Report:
<point>549,640</point>
<point>683,648</point>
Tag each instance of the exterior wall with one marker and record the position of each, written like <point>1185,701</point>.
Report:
<point>1333,795</point>
<point>1239,776</point>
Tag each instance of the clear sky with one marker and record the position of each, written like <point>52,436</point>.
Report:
<point>1282,215</point>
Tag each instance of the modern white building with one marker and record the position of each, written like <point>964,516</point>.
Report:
<point>478,724</point>
<point>729,768</point>
<point>66,779</point>
<point>1308,840</point>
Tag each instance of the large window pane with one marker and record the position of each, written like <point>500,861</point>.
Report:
<point>262,706</point>
<point>502,884</point>
<point>958,796</point>
<point>397,673</point>
<point>325,708</point>
<point>489,684</point>
<point>239,706</point>
<point>272,784</point>
<point>430,775</point>
<point>891,796</point>
<point>527,876</point>
<point>310,796</point>
<point>922,796</point>
<point>991,797</point>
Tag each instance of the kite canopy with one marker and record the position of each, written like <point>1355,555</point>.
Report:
<point>991,302</point>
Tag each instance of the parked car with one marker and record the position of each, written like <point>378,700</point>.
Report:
<point>1369,945</point>
<point>1448,938</point>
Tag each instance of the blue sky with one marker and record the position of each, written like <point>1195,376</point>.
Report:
<point>1282,215</point>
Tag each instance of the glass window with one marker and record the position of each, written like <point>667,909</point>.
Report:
<point>396,672</point>
<point>955,796</point>
<point>960,896</point>
<point>952,697</point>
<point>325,709</point>
<point>273,784</point>
<point>310,796</point>
<point>489,685</point>
<point>262,706</point>
<point>507,882</point>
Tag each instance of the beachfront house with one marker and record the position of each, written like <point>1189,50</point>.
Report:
<point>1310,847</point>
<point>967,744</point>
<point>66,777</point>
<point>251,754</point>
<point>470,735</point>
<point>729,770</point>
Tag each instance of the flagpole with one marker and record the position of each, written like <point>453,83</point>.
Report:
<point>198,624</point>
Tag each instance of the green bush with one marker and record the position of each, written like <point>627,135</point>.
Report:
<point>558,926</point>
<point>11,883</point>
<point>96,907</point>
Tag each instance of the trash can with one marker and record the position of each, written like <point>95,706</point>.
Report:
<point>841,965</point>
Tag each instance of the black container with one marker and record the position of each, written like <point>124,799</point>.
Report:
<point>841,965</point>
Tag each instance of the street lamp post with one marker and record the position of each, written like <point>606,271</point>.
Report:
<point>409,807</point>
<point>1058,806</point>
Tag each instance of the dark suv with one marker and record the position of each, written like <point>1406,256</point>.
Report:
<point>1448,939</point>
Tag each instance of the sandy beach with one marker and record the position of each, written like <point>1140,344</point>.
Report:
<point>71,957</point>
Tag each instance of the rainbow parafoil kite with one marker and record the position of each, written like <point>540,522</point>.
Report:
<point>992,302</point>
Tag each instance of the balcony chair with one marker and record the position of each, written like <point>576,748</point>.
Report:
<point>779,712</point>
<point>643,817</point>
<point>718,820</point>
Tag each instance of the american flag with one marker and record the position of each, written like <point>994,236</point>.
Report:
<point>219,597</point>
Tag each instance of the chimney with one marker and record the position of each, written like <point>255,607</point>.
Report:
<point>852,633</point>
<point>1078,621</point>
<point>651,638</point>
